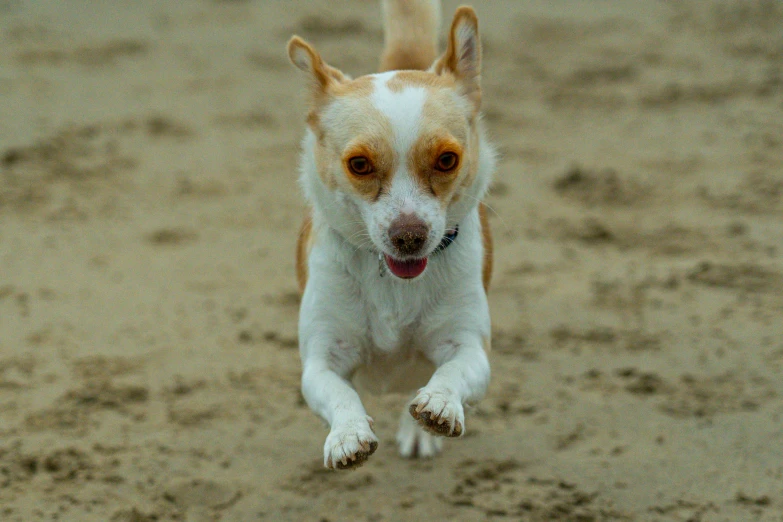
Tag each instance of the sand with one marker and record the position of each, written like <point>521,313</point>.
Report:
<point>148,216</point>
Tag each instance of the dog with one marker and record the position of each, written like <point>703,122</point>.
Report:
<point>395,258</point>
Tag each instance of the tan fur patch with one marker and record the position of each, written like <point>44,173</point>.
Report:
<point>313,122</point>
<point>428,80</point>
<point>381,156</point>
<point>361,86</point>
<point>486,237</point>
<point>471,169</point>
<point>445,128</point>
<point>303,245</point>
<point>423,157</point>
<point>323,164</point>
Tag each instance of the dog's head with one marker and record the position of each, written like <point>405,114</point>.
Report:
<point>394,160</point>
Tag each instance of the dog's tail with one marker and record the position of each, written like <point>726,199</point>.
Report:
<point>410,30</point>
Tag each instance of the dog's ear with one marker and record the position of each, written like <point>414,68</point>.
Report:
<point>462,58</point>
<point>306,58</point>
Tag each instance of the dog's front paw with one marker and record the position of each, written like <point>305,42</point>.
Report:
<point>350,444</point>
<point>438,412</point>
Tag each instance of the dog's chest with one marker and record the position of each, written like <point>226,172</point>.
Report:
<point>395,314</point>
<point>396,334</point>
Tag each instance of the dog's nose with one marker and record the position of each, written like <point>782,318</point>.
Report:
<point>408,234</point>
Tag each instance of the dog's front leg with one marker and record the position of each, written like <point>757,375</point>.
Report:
<point>461,377</point>
<point>328,392</point>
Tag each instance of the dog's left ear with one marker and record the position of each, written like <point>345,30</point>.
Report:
<point>306,58</point>
<point>462,58</point>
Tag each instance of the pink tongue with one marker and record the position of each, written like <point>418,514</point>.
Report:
<point>406,269</point>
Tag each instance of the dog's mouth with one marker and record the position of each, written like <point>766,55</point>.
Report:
<point>407,269</point>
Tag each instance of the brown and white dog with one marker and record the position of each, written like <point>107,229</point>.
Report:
<point>396,256</point>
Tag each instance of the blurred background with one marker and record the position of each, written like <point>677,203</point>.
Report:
<point>149,209</point>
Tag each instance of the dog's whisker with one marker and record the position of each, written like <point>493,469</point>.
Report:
<point>502,221</point>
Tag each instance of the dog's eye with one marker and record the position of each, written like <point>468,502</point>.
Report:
<point>446,162</point>
<point>360,165</point>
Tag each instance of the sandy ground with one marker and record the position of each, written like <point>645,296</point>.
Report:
<point>148,308</point>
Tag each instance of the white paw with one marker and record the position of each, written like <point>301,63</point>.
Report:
<point>413,442</point>
<point>350,444</point>
<point>438,412</point>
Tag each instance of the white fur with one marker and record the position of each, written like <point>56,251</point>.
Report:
<point>413,441</point>
<point>358,321</point>
<point>352,318</point>
<point>403,111</point>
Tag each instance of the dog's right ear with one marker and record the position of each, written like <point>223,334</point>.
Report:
<point>306,58</point>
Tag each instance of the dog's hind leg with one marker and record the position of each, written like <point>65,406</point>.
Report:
<point>413,441</point>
